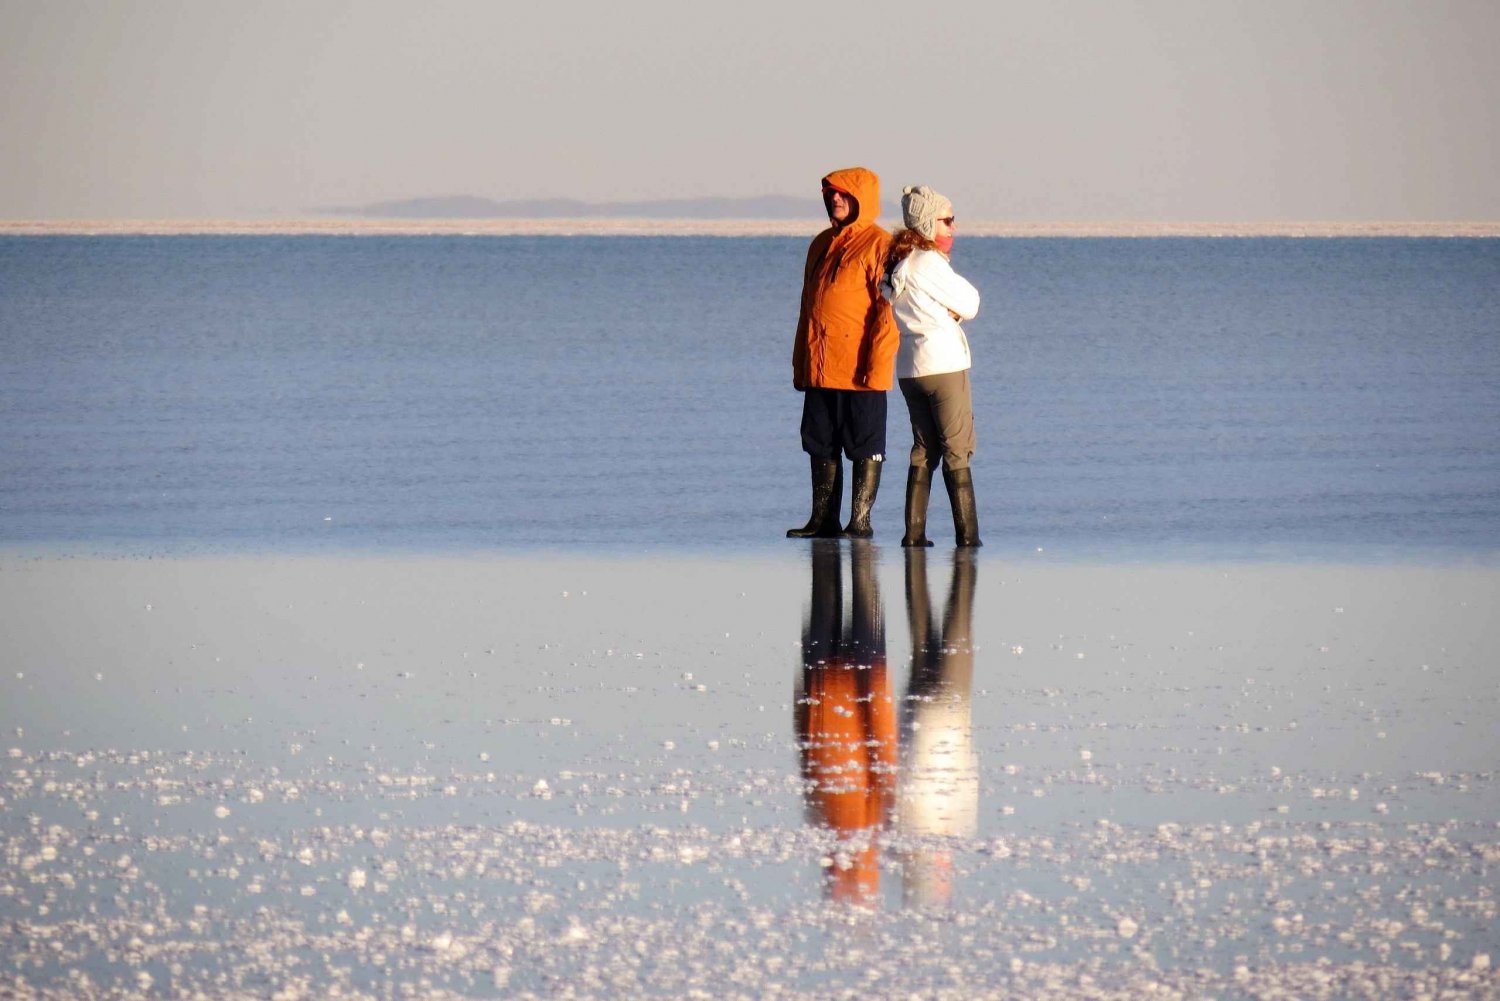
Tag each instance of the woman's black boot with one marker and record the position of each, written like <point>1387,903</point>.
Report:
<point>918,489</point>
<point>960,484</point>
<point>827,499</point>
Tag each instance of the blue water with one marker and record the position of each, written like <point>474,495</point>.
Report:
<point>1136,399</point>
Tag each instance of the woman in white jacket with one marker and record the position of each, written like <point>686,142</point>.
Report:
<point>930,301</point>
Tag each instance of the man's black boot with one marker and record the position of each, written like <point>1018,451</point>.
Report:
<point>862,498</point>
<point>960,484</point>
<point>918,489</point>
<point>827,499</point>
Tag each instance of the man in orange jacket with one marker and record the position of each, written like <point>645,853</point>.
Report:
<point>844,356</point>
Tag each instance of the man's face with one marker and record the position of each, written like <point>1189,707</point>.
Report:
<point>840,206</point>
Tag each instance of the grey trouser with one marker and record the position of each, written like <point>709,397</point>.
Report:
<point>942,419</point>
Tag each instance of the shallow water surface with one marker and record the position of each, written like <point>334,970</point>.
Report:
<point>1264,398</point>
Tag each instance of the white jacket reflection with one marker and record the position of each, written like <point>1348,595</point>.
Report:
<point>938,793</point>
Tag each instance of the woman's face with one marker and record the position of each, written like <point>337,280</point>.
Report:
<point>943,227</point>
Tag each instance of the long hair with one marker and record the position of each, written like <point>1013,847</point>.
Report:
<point>902,244</point>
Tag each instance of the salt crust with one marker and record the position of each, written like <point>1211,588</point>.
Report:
<point>459,906</point>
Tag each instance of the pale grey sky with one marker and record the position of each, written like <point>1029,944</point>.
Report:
<point>1205,110</point>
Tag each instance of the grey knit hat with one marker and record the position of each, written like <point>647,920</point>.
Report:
<point>921,208</point>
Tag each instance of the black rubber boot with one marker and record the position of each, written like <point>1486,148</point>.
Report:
<point>862,498</point>
<point>918,489</point>
<point>960,484</point>
<point>827,500</point>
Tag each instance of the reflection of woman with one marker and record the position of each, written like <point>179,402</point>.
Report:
<point>930,301</point>
<point>939,793</point>
<point>846,723</point>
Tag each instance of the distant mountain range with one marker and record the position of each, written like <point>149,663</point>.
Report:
<point>474,207</point>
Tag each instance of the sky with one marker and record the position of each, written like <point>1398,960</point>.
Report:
<point>1063,110</point>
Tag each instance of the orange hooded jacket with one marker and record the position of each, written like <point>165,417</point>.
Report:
<point>846,337</point>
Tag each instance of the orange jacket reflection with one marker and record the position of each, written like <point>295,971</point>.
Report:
<point>846,721</point>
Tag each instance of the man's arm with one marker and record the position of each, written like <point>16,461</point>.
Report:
<point>799,338</point>
<point>877,352</point>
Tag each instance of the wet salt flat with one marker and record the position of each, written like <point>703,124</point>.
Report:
<point>828,770</point>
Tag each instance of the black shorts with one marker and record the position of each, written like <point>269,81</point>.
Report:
<point>851,421</point>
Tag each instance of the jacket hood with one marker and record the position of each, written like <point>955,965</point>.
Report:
<point>864,187</point>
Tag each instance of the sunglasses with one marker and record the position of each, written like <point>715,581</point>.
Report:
<point>947,221</point>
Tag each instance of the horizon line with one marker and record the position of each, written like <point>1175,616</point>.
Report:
<point>596,226</point>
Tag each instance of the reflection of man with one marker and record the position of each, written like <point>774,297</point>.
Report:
<point>939,792</point>
<point>844,355</point>
<point>846,724</point>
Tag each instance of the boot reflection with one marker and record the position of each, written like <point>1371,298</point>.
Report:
<point>939,790</point>
<point>846,723</point>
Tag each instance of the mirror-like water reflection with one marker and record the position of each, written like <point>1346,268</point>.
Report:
<point>938,797</point>
<point>846,717</point>
<point>537,778</point>
<point>869,766</point>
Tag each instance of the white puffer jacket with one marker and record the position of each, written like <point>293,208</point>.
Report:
<point>921,290</point>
